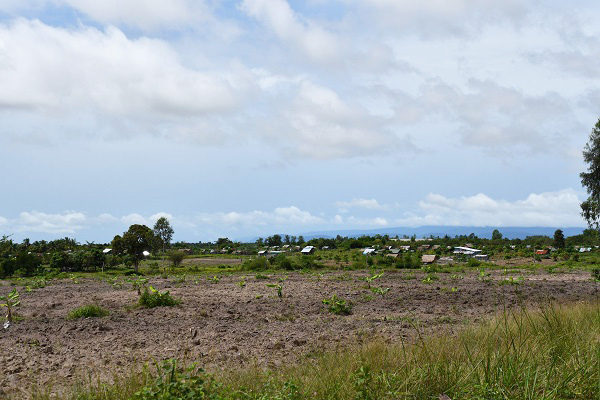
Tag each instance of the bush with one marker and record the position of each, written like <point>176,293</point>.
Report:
<point>151,298</point>
<point>89,311</point>
<point>596,273</point>
<point>255,264</point>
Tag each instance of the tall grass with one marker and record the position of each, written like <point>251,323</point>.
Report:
<point>549,353</point>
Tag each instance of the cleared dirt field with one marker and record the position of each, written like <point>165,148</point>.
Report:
<point>221,324</point>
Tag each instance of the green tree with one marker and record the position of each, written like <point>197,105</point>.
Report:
<point>136,240</point>
<point>590,208</point>
<point>559,239</point>
<point>176,257</point>
<point>163,231</point>
<point>496,235</point>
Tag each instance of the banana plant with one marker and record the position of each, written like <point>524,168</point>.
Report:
<point>10,301</point>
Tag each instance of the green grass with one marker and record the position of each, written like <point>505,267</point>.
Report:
<point>550,353</point>
<point>88,311</point>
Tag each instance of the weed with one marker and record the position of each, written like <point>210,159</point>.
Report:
<point>89,311</point>
<point>242,282</point>
<point>73,279</point>
<point>151,298</point>
<point>338,306</point>
<point>10,301</point>
<point>214,279</point>
<point>595,273</point>
<point>260,276</point>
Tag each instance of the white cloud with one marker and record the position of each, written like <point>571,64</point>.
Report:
<point>545,209</point>
<point>87,76</point>
<point>280,216</point>
<point>311,39</point>
<point>68,222</point>
<point>370,204</point>
<point>440,18</point>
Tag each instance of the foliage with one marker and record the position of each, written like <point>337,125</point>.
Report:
<point>596,273</point>
<point>151,298</point>
<point>164,232</point>
<point>559,239</point>
<point>88,311</point>
<point>135,241</point>
<point>590,208</point>
<point>137,283</point>
<point>176,257</point>
<point>10,301</point>
<point>175,383</point>
<point>338,306</point>
<point>496,235</point>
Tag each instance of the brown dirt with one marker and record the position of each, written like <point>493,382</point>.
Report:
<point>212,261</point>
<point>222,324</point>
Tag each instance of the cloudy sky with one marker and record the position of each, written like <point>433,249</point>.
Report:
<point>246,118</point>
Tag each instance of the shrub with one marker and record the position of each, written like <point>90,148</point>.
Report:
<point>89,311</point>
<point>596,273</point>
<point>151,298</point>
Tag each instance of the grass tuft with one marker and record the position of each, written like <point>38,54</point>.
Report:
<point>88,311</point>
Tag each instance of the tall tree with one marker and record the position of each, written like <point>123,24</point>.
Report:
<point>496,235</point>
<point>163,231</point>
<point>590,208</point>
<point>559,239</point>
<point>136,240</point>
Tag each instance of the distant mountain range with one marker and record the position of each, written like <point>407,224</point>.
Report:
<point>512,232</point>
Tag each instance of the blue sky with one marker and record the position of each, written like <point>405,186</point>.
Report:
<point>254,117</point>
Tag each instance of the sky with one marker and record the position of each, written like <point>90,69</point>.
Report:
<point>246,118</point>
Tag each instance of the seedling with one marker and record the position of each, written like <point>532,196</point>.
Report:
<point>242,283</point>
<point>116,282</point>
<point>261,276</point>
<point>138,283</point>
<point>10,301</point>
<point>430,278</point>
<point>214,279</point>
<point>380,290</point>
<point>371,278</point>
<point>73,279</point>
<point>278,287</point>
<point>338,306</point>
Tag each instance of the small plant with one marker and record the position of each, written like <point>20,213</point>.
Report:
<point>242,282</point>
<point>454,289</point>
<point>10,301</point>
<point>430,278</point>
<point>73,279</point>
<point>372,277</point>
<point>483,277</point>
<point>511,281</point>
<point>278,287</point>
<point>151,298</point>
<point>173,382</point>
<point>595,273</point>
<point>261,276</point>
<point>137,283</point>
<point>116,282</point>
<point>338,306</point>
<point>89,311</point>
<point>380,290</point>
<point>214,279</point>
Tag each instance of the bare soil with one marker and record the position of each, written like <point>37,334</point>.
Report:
<point>222,324</point>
